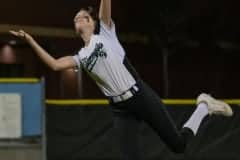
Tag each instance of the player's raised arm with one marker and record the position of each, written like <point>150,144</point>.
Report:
<point>105,12</point>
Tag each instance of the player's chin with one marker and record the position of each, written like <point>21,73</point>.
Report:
<point>78,31</point>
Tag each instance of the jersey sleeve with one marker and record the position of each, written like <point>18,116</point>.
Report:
<point>107,31</point>
<point>76,58</point>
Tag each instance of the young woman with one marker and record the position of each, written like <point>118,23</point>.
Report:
<point>132,100</point>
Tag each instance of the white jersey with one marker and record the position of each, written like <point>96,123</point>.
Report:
<point>103,61</point>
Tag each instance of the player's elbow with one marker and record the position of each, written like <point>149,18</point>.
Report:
<point>55,67</point>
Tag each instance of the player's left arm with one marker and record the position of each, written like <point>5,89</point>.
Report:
<point>105,12</point>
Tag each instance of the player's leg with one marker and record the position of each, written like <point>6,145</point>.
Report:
<point>147,106</point>
<point>153,112</point>
<point>207,105</point>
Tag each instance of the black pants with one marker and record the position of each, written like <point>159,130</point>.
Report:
<point>146,106</point>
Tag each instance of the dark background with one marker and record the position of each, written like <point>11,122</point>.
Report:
<point>180,47</point>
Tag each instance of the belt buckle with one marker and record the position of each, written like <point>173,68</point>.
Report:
<point>130,93</point>
<point>127,95</point>
<point>123,97</point>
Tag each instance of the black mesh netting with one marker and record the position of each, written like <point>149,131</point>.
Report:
<point>86,133</point>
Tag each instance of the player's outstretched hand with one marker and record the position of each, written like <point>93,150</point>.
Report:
<point>21,34</point>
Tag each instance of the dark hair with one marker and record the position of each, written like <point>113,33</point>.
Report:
<point>94,15</point>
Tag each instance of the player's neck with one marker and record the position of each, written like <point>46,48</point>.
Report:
<point>86,36</point>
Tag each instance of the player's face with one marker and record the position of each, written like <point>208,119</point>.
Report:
<point>83,21</point>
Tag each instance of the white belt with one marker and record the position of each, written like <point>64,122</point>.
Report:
<point>126,95</point>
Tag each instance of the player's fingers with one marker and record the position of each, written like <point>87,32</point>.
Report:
<point>22,31</point>
<point>14,33</point>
